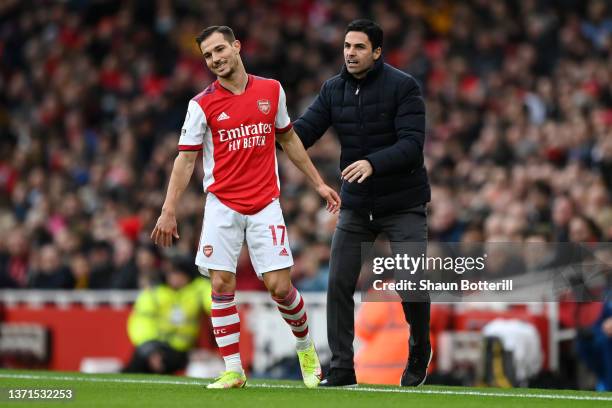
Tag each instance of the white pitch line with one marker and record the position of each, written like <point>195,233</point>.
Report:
<point>98,379</point>
<point>286,386</point>
<point>448,392</point>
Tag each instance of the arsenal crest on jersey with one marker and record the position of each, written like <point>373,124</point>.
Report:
<point>208,250</point>
<point>264,106</point>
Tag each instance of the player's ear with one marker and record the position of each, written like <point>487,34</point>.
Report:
<point>236,45</point>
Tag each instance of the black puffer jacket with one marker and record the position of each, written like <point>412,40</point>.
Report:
<point>380,118</point>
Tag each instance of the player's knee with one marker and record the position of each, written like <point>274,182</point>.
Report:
<point>280,290</point>
<point>222,284</point>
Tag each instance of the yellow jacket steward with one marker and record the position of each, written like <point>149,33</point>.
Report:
<point>172,316</point>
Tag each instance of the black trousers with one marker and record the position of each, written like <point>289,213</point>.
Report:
<point>173,360</point>
<point>353,229</point>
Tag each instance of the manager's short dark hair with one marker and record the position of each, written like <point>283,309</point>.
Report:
<point>227,32</point>
<point>370,28</point>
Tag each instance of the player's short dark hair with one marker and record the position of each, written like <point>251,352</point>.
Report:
<point>370,28</point>
<point>227,32</point>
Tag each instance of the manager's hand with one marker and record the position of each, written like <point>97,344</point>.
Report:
<point>360,170</point>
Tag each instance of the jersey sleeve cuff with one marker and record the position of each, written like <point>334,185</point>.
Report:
<point>190,148</point>
<point>285,129</point>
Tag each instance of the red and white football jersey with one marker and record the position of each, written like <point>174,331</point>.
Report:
<point>237,133</point>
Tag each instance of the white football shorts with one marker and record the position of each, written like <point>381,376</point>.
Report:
<point>224,231</point>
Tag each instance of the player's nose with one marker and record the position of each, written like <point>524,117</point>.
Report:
<point>217,60</point>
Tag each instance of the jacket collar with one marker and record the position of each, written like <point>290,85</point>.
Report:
<point>372,73</point>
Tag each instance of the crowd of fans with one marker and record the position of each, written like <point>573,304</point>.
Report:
<point>93,95</point>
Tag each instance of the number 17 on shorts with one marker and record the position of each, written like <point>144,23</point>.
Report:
<point>225,230</point>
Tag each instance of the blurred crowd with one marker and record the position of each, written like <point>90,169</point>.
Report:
<point>93,94</point>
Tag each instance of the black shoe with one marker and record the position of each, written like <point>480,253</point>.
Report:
<point>339,377</point>
<point>416,369</point>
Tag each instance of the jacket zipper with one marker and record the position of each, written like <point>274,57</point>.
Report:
<point>359,105</point>
<point>361,126</point>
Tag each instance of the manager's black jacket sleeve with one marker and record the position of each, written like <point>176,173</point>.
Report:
<point>316,120</point>
<point>407,152</point>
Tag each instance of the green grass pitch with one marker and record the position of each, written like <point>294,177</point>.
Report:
<point>149,391</point>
